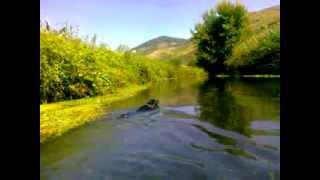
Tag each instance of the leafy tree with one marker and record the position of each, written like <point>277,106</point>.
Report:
<point>257,54</point>
<point>215,37</point>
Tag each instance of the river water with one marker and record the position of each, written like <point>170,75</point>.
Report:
<point>218,129</point>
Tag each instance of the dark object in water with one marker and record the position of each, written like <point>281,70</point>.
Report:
<point>152,104</point>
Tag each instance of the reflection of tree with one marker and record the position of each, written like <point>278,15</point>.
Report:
<point>259,96</point>
<point>218,106</point>
<point>262,88</point>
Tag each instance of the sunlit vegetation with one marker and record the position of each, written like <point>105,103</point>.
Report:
<point>216,36</point>
<point>250,55</point>
<point>232,41</point>
<point>72,69</point>
<point>259,53</point>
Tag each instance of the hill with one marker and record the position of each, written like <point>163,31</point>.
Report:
<point>162,42</point>
<point>264,18</point>
<point>183,50</point>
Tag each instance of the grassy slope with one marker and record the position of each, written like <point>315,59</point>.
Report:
<point>186,51</point>
<point>264,18</point>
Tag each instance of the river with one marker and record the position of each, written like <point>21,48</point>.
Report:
<point>219,129</point>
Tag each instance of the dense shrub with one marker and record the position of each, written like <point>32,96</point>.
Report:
<point>259,53</point>
<point>71,68</point>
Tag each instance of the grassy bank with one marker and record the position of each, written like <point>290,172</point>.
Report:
<point>58,118</point>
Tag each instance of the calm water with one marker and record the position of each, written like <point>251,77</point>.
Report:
<point>220,129</point>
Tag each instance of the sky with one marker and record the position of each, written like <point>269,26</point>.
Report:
<point>133,22</point>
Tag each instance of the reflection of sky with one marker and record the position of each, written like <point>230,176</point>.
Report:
<point>132,22</point>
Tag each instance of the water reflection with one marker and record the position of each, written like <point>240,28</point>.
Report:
<point>173,143</point>
<point>219,107</point>
<point>233,105</point>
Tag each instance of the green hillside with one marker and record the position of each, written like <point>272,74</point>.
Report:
<point>259,52</point>
<point>183,51</point>
<point>162,42</point>
<point>259,20</point>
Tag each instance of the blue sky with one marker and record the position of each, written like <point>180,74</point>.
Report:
<point>133,22</point>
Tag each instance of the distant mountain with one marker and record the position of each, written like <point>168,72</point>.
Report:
<point>169,48</point>
<point>161,42</point>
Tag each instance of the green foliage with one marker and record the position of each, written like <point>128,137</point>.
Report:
<point>259,53</point>
<point>71,68</point>
<point>215,37</point>
<point>231,41</point>
<point>184,52</point>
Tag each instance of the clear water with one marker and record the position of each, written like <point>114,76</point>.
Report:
<point>219,129</point>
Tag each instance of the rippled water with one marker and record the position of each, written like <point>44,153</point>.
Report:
<point>220,129</point>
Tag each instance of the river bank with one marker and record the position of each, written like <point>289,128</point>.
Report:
<point>73,68</point>
<point>61,117</point>
<point>58,118</point>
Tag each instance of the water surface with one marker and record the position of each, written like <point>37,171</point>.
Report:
<point>219,129</point>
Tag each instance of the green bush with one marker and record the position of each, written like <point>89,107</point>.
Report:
<point>71,68</point>
<point>259,53</point>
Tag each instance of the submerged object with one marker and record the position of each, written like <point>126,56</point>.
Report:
<point>151,105</point>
